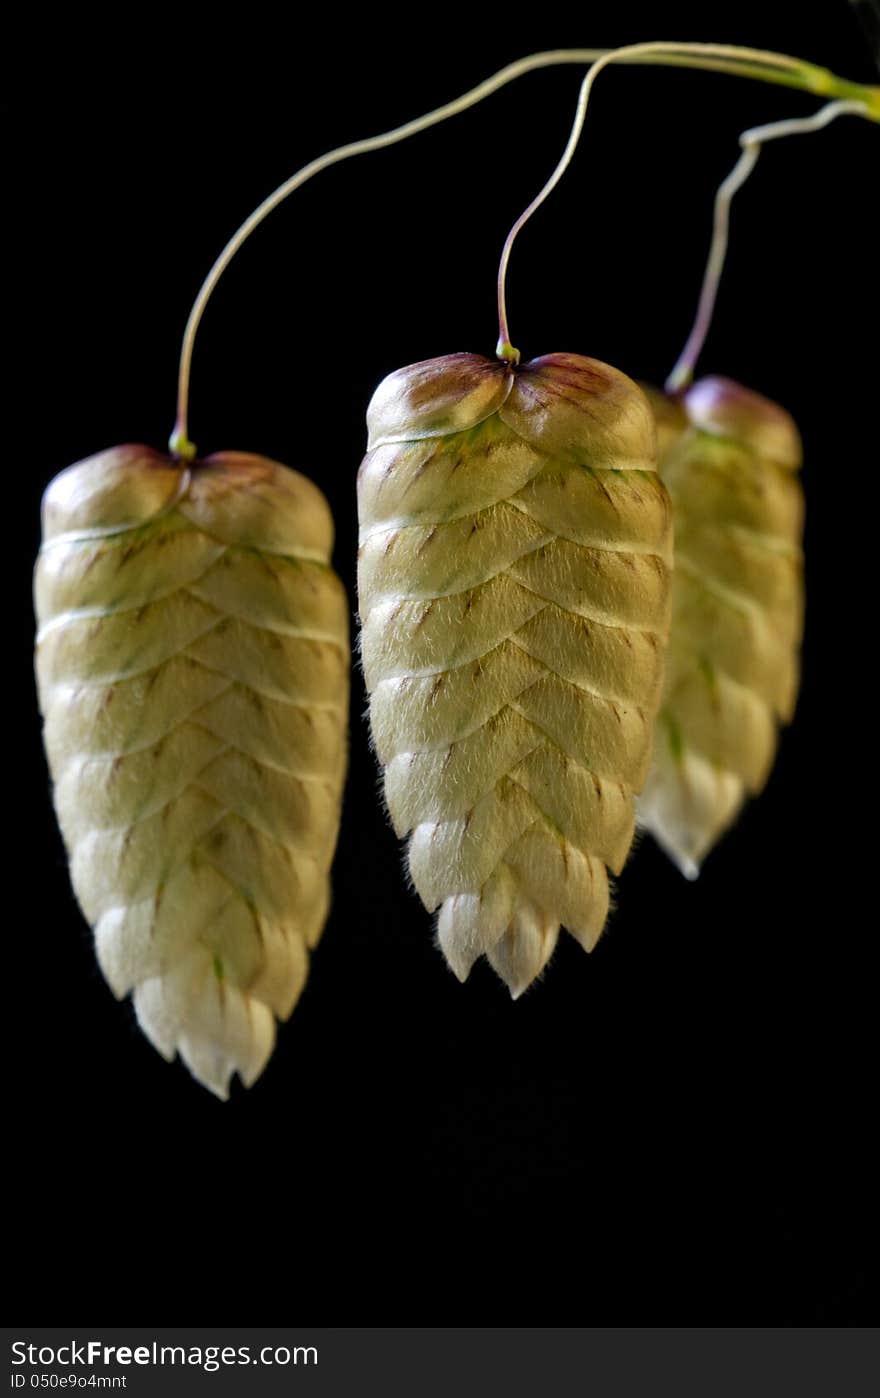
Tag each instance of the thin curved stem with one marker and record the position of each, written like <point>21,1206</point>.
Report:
<point>682,374</point>
<point>702,54</point>
<point>743,62</point>
<point>180,445</point>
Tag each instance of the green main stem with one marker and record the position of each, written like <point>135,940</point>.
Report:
<point>739,62</point>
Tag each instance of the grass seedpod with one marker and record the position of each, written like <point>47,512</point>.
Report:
<point>193,675</point>
<point>670,420</point>
<point>513,582</point>
<point>732,668</point>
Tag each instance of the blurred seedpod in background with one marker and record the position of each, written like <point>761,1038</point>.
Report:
<point>514,564</point>
<point>193,675</point>
<point>670,419</point>
<point>732,668</point>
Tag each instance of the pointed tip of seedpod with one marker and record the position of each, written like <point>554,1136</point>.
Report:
<point>180,447</point>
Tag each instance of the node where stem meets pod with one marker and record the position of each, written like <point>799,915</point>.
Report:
<point>730,461</point>
<point>193,674</point>
<point>513,578</point>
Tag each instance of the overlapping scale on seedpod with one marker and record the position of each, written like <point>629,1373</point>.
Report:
<point>732,669</point>
<point>515,553</point>
<point>193,674</point>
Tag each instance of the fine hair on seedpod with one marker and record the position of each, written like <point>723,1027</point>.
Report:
<point>513,580</point>
<point>193,675</point>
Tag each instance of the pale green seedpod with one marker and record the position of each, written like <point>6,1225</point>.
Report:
<point>514,566</point>
<point>670,420</point>
<point>193,674</point>
<point>732,670</point>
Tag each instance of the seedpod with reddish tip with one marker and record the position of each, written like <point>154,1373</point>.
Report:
<point>732,669</point>
<point>515,553</point>
<point>192,667</point>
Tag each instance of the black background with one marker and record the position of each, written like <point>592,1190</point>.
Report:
<point>675,1130</point>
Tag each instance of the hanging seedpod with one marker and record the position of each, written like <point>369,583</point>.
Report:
<point>514,578</point>
<point>193,674</point>
<point>670,420</point>
<point>732,669</point>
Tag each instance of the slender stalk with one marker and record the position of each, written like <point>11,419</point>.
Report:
<point>753,59</point>
<point>743,62</point>
<point>179,444</point>
<point>751,141</point>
